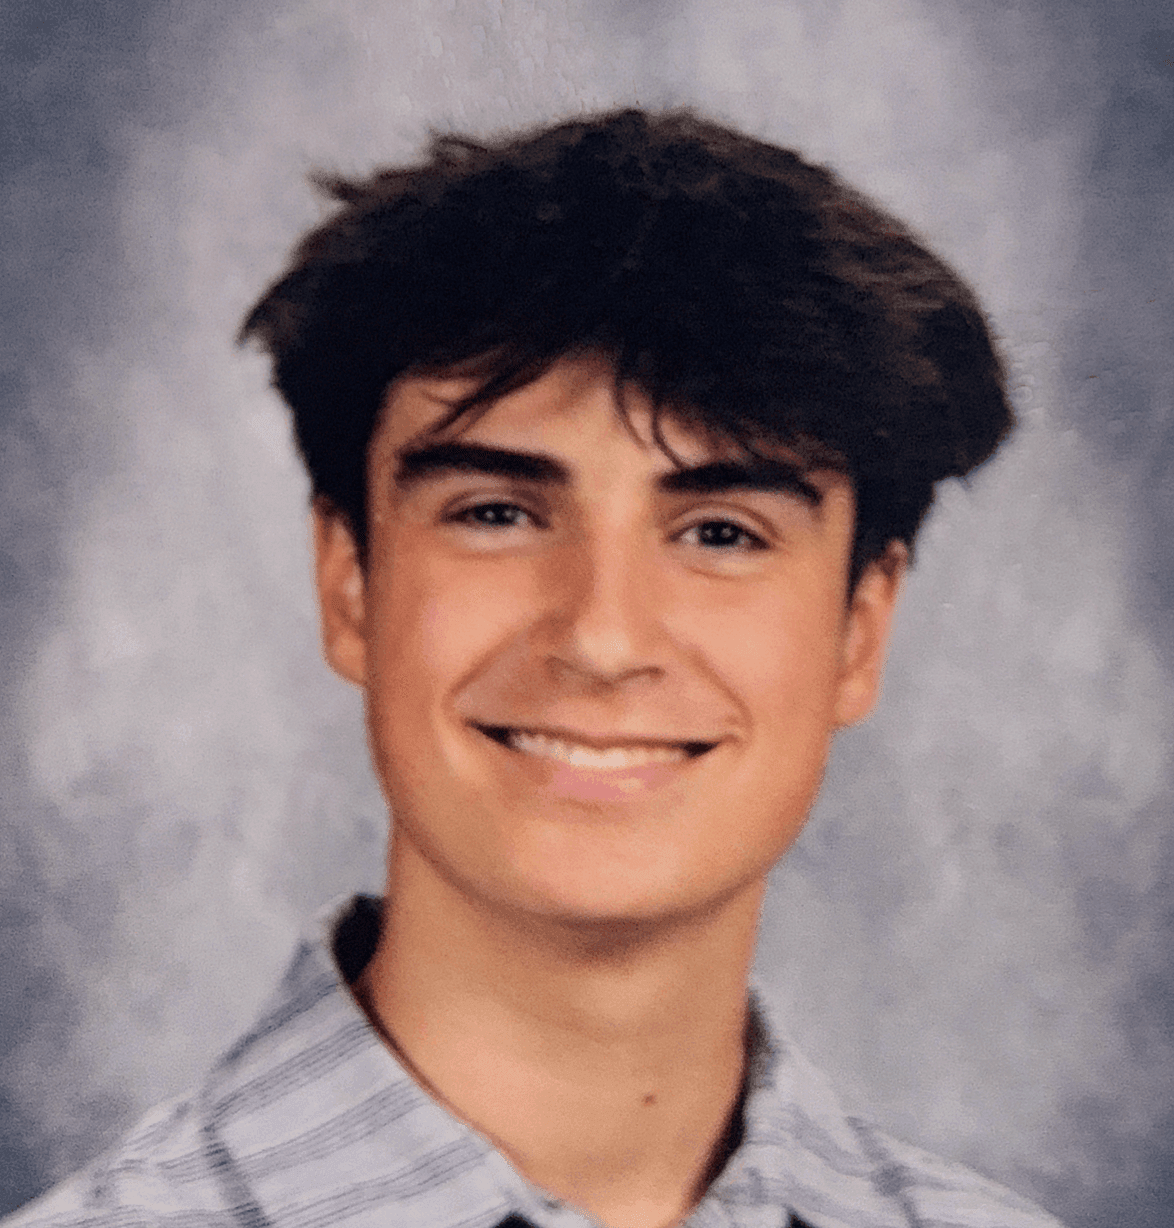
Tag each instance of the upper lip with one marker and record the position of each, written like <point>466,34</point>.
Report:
<point>598,741</point>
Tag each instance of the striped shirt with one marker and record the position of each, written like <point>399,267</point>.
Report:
<point>309,1121</point>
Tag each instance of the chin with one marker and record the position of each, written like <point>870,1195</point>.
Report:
<point>603,903</point>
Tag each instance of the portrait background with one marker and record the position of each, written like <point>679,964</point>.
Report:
<point>973,935</point>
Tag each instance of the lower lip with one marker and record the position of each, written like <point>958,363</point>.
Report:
<point>595,785</point>
<point>608,784</point>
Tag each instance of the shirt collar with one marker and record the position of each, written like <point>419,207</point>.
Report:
<point>315,1122</point>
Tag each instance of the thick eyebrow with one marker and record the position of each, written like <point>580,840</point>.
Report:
<point>438,459</point>
<point>418,464</point>
<point>760,473</point>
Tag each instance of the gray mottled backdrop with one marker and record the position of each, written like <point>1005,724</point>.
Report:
<point>974,934</point>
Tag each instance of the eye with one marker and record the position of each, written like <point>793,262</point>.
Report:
<point>724,535</point>
<point>491,516</point>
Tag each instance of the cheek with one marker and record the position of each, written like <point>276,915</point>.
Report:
<point>433,627</point>
<point>783,664</point>
<point>779,655</point>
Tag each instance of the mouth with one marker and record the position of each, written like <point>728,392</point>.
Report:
<point>599,754</point>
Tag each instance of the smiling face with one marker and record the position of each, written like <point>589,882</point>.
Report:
<point>598,687</point>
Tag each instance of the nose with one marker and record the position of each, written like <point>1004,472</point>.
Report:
<point>604,626</point>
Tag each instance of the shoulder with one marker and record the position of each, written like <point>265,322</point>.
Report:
<point>938,1193</point>
<point>843,1172</point>
<point>180,1161</point>
<point>161,1168</point>
<point>294,1090</point>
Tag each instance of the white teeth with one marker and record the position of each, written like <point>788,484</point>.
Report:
<point>578,755</point>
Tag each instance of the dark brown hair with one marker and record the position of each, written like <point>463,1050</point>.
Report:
<point>741,288</point>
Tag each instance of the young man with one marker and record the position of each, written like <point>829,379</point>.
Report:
<point>620,434</point>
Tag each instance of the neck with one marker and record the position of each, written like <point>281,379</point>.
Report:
<point>604,1061</point>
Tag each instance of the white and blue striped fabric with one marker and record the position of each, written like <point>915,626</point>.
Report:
<point>309,1121</point>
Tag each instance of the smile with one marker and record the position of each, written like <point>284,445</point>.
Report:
<point>618,756</point>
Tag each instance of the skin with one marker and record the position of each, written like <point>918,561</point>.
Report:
<point>567,973</point>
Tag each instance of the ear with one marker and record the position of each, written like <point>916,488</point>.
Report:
<point>866,634</point>
<point>341,593</point>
